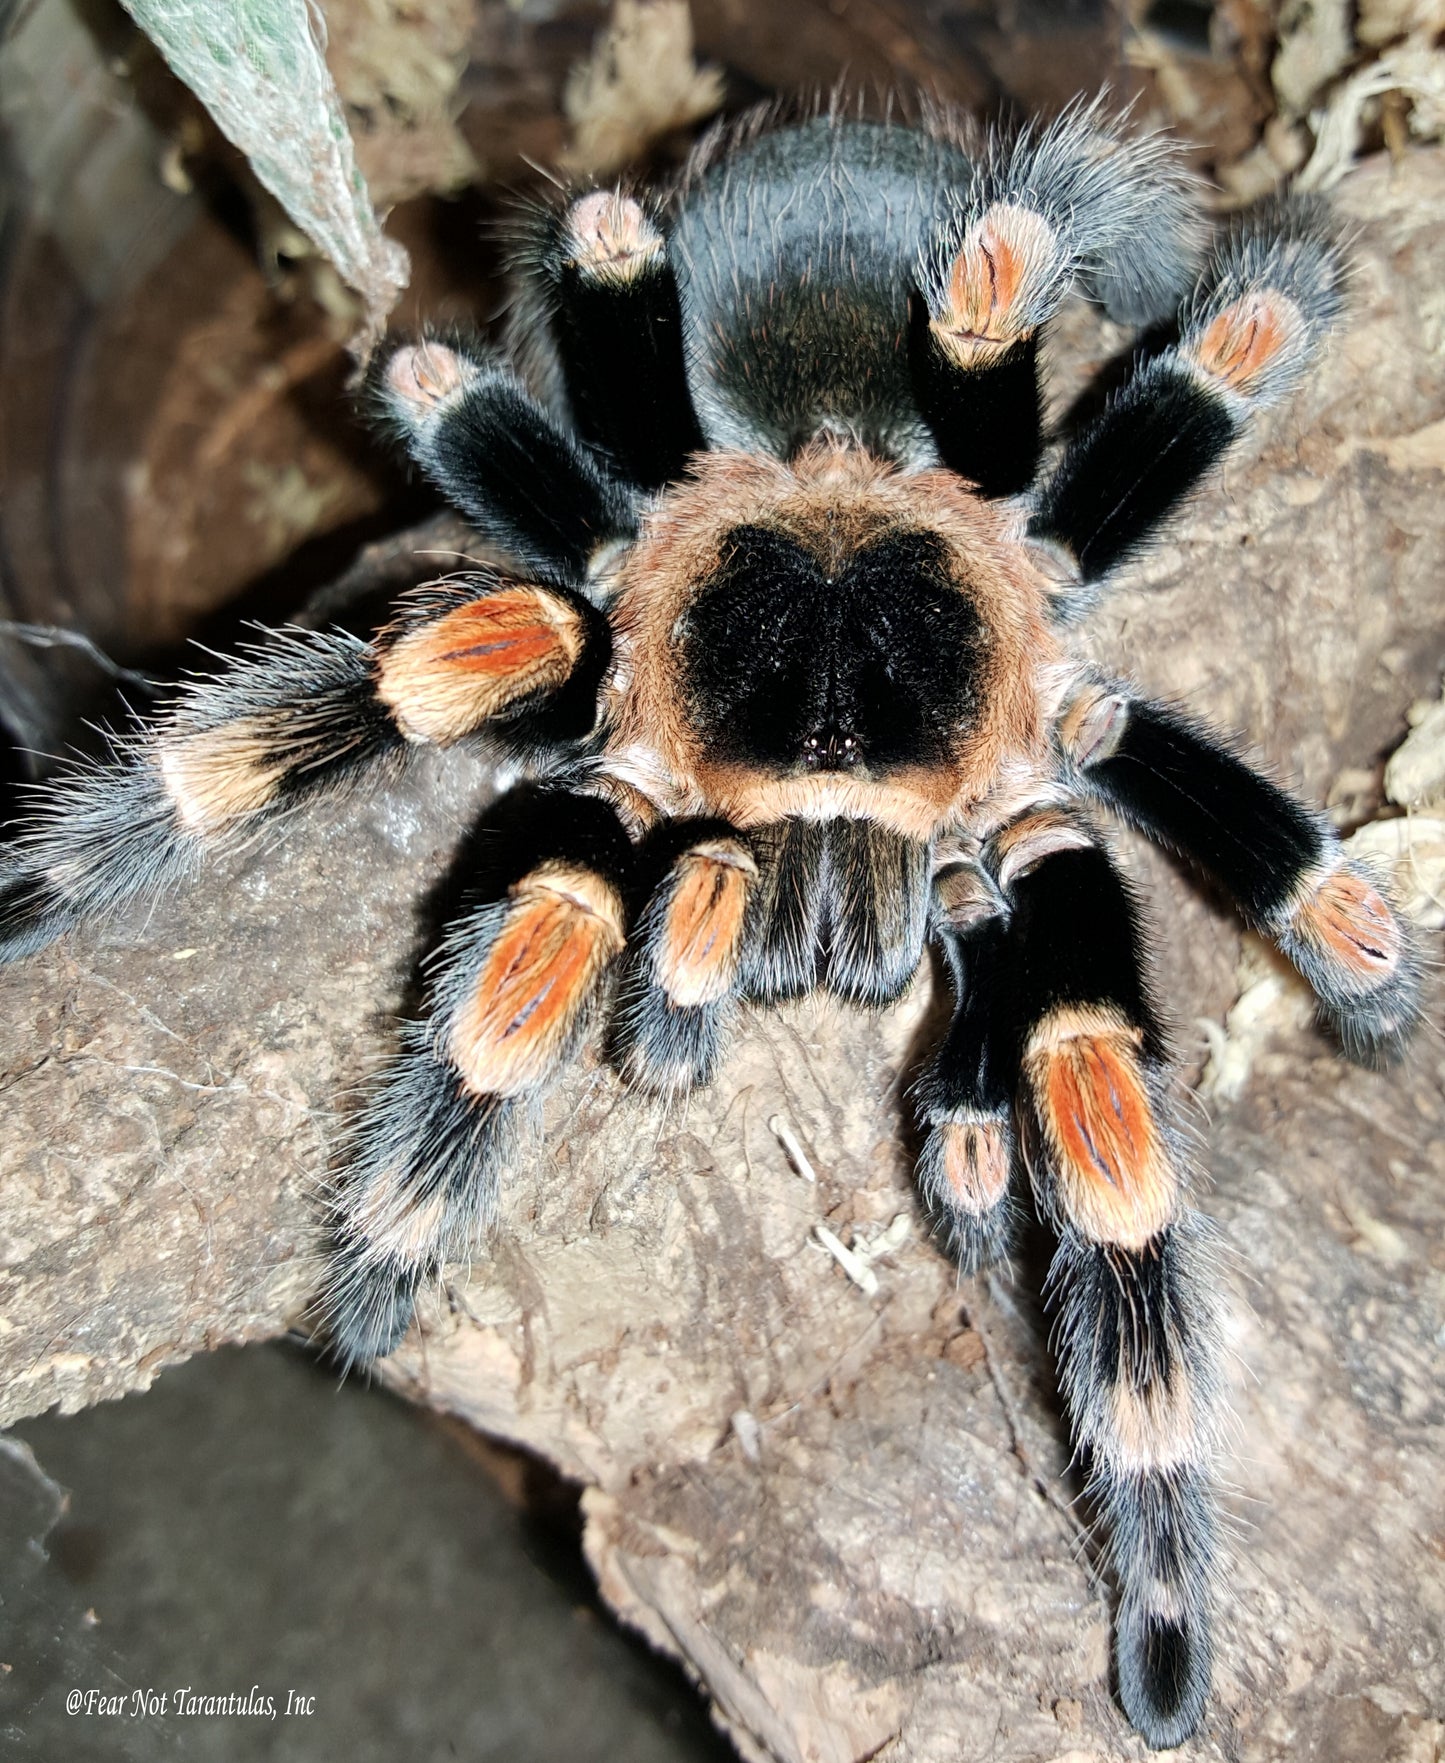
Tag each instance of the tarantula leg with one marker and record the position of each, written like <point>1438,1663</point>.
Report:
<point>1137,1336</point>
<point>301,715</point>
<point>973,347</point>
<point>492,450</point>
<point>1255,322</point>
<point>1279,860</point>
<point>680,978</point>
<point>485,648</point>
<point>295,718</point>
<point>1074,201</point>
<point>511,989</point>
<point>618,322</point>
<point>965,1095</point>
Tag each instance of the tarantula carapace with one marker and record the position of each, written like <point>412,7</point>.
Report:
<point>781,641</point>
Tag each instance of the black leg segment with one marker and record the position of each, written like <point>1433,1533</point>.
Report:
<point>511,987</point>
<point>678,987</point>
<point>1183,787</point>
<point>965,1095</point>
<point>1137,1342</point>
<point>1279,860</point>
<point>618,324</point>
<point>987,421</point>
<point>1261,309</point>
<point>496,455</point>
<point>1132,467</point>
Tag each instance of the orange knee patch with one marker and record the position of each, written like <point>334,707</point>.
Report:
<point>562,928</point>
<point>1347,922</point>
<point>998,266</point>
<point>975,1163</point>
<point>222,774</point>
<point>1116,1182</point>
<point>1246,339</point>
<point>609,237</point>
<point>697,955</point>
<point>442,680</point>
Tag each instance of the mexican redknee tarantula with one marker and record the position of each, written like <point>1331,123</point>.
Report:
<point>782,643</point>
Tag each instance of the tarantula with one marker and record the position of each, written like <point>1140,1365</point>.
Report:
<point>781,644</point>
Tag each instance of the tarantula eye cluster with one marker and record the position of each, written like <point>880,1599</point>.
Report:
<point>782,643</point>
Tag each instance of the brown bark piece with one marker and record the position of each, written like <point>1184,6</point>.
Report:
<point>845,1512</point>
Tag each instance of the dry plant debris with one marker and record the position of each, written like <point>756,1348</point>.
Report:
<point>640,84</point>
<point>398,65</point>
<point>1339,77</point>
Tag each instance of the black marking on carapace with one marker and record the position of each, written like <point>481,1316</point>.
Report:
<point>789,669</point>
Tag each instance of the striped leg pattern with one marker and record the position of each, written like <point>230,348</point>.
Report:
<point>512,987</point>
<point>680,981</point>
<point>298,717</point>
<point>1280,861</point>
<point>1137,1335</point>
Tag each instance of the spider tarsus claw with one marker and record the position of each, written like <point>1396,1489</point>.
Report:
<point>1164,1670</point>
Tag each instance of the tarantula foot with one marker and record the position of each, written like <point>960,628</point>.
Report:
<point>1164,1670</point>
<point>32,913</point>
<point>1375,1032</point>
<point>609,238</point>
<point>963,1173</point>
<point>1358,956</point>
<point>421,1173</point>
<point>369,1310</point>
<point>1276,291</point>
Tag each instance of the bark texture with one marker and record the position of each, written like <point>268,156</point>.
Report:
<point>849,1514</point>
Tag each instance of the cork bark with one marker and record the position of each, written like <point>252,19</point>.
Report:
<point>851,1515</point>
